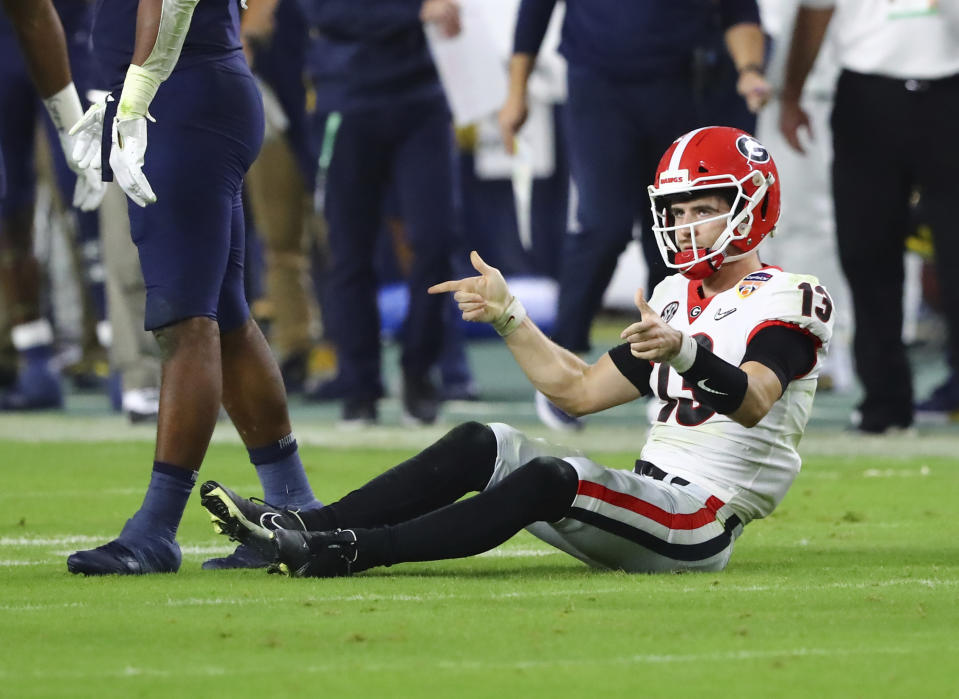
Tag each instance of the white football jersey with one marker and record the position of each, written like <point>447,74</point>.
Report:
<point>749,468</point>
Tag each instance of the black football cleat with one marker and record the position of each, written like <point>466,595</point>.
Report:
<point>230,513</point>
<point>247,521</point>
<point>127,558</point>
<point>314,554</point>
<point>241,559</point>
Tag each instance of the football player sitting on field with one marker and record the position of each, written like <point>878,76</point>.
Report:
<point>729,347</point>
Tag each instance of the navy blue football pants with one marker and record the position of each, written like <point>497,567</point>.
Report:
<point>410,146</point>
<point>208,130</point>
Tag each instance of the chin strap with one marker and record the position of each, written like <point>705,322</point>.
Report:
<point>704,268</point>
<point>700,269</point>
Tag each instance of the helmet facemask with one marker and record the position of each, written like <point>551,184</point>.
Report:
<point>699,261</point>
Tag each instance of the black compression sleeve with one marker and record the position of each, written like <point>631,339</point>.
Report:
<point>633,368</point>
<point>715,382</point>
<point>787,350</point>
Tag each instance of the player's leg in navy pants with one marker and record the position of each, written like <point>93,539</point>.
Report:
<point>424,172</point>
<point>355,190</point>
<point>38,384</point>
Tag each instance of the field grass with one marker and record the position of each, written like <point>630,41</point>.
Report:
<point>851,589</point>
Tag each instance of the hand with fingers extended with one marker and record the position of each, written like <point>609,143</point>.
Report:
<point>87,134</point>
<point>84,158</point>
<point>126,158</point>
<point>486,298</point>
<point>651,338</point>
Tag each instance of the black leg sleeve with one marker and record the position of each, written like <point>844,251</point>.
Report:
<point>460,462</point>
<point>541,490</point>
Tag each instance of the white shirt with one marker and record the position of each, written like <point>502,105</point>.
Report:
<point>894,38</point>
<point>778,20</point>
<point>748,468</point>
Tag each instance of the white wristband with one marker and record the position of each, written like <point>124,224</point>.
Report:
<point>64,108</point>
<point>139,88</point>
<point>511,319</point>
<point>686,356</point>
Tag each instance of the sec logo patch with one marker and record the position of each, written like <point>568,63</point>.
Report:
<point>669,311</point>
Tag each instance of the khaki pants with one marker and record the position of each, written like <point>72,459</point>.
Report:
<point>282,210</point>
<point>133,351</point>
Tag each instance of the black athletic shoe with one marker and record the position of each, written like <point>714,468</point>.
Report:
<point>314,554</point>
<point>359,412</point>
<point>420,400</point>
<point>126,558</point>
<point>242,558</point>
<point>239,518</point>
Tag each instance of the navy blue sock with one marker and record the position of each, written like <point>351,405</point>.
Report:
<point>281,474</point>
<point>162,508</point>
<point>38,356</point>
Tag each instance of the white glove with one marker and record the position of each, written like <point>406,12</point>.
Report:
<point>90,188</point>
<point>64,109</point>
<point>88,135</point>
<point>126,159</point>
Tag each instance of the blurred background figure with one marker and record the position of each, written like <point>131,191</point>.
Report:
<point>388,124</point>
<point>134,353</point>
<point>281,182</point>
<point>893,131</point>
<point>630,93</point>
<point>806,233</point>
<point>37,383</point>
<point>515,208</point>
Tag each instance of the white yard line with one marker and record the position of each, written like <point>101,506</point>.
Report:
<point>252,669</point>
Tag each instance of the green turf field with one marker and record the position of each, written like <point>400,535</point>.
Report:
<point>851,589</point>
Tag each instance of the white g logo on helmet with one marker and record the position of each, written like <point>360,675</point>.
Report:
<point>752,149</point>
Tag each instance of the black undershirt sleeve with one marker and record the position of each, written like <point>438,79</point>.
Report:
<point>788,351</point>
<point>633,368</point>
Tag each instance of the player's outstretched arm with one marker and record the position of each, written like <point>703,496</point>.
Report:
<point>570,383</point>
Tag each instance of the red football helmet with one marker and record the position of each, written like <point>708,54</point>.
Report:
<point>715,158</point>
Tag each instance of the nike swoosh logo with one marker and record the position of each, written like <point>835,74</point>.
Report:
<point>268,519</point>
<point>720,313</point>
<point>702,384</point>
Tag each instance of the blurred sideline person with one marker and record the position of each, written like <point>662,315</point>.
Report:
<point>134,353</point>
<point>893,130</point>
<point>389,125</point>
<point>806,234</point>
<point>186,218</point>
<point>281,182</point>
<point>630,90</point>
<point>38,384</point>
<point>731,349</point>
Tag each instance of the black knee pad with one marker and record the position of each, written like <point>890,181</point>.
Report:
<point>471,449</point>
<point>472,436</point>
<point>552,482</point>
